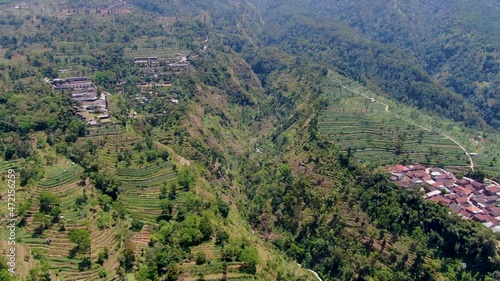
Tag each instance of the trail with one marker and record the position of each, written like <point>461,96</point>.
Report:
<point>413,123</point>
<point>313,272</point>
<point>366,96</point>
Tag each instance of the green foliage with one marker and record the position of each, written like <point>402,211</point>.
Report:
<point>143,273</point>
<point>185,179</point>
<point>82,239</point>
<point>223,208</point>
<point>200,258</point>
<point>221,238</point>
<point>102,256</point>
<point>136,226</point>
<point>127,258</point>
<point>108,184</point>
<point>49,203</point>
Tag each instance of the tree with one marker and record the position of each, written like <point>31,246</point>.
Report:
<point>103,255</point>
<point>205,227</point>
<point>128,257</point>
<point>249,256</point>
<point>166,206</point>
<point>8,54</point>
<point>82,239</point>
<point>105,201</point>
<point>185,178</point>
<point>223,208</point>
<point>48,202</point>
<point>200,258</point>
<point>43,223</point>
<point>221,237</point>
<point>108,184</point>
<point>172,194</point>
<point>143,273</point>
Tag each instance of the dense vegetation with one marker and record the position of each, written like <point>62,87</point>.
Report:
<point>411,51</point>
<point>235,181</point>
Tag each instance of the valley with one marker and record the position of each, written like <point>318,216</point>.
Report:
<point>238,140</point>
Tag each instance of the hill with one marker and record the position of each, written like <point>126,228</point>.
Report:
<point>438,56</point>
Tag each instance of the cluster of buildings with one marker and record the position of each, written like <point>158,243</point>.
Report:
<point>466,197</point>
<point>82,89</point>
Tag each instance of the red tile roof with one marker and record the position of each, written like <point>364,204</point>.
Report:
<point>473,209</point>
<point>477,185</point>
<point>462,191</point>
<point>450,183</point>
<point>398,169</point>
<point>494,211</point>
<point>438,184</point>
<point>416,167</point>
<point>481,218</point>
<point>464,213</point>
<point>427,178</point>
<point>493,189</point>
<point>440,199</point>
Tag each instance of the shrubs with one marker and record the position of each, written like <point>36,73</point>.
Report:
<point>200,258</point>
<point>82,239</point>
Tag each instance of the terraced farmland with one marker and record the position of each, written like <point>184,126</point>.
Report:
<point>141,189</point>
<point>371,133</point>
<point>54,244</point>
<point>60,174</point>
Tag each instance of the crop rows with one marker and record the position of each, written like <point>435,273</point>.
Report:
<point>143,171</point>
<point>375,138</point>
<point>59,175</point>
<point>142,189</point>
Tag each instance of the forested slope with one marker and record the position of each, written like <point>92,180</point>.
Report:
<point>410,50</point>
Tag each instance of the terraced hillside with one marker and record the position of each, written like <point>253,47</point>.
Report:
<point>374,132</point>
<point>141,189</point>
<point>51,244</point>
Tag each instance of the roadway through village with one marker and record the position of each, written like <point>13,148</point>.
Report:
<point>411,122</point>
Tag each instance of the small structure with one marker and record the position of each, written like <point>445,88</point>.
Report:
<point>494,211</point>
<point>432,194</point>
<point>147,61</point>
<point>441,200</point>
<point>81,116</point>
<point>493,190</point>
<point>102,117</point>
<point>92,123</point>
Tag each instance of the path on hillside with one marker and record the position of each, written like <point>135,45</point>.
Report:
<point>364,95</point>
<point>312,271</point>
<point>411,122</point>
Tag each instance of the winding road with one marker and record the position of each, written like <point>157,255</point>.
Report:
<point>413,123</point>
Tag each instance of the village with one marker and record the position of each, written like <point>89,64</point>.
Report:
<point>93,105</point>
<point>466,197</point>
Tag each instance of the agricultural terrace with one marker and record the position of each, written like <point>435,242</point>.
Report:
<point>79,210</point>
<point>141,189</point>
<point>122,152</point>
<point>154,47</point>
<point>366,130</point>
